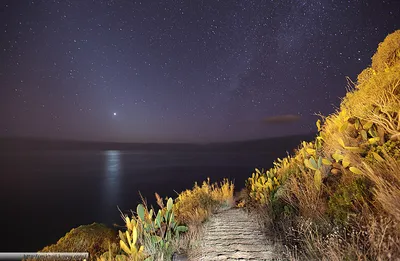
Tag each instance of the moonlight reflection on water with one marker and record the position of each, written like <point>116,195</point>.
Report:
<point>112,177</point>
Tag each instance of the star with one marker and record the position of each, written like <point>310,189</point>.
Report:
<point>198,72</point>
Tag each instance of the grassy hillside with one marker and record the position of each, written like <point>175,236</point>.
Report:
<point>338,197</point>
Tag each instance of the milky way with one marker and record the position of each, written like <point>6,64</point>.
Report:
<point>185,71</point>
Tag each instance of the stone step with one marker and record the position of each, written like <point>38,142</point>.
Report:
<point>235,235</point>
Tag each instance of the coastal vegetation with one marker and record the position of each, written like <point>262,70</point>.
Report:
<point>338,197</point>
<point>156,234</point>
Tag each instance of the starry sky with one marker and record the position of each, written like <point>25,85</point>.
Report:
<point>181,70</point>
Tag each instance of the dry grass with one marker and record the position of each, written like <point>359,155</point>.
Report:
<point>189,242</point>
<point>369,238</point>
<point>386,179</point>
<point>301,193</point>
<point>196,205</point>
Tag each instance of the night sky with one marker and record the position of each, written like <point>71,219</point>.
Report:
<point>182,70</point>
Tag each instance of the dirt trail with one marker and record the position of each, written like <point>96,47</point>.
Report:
<point>234,235</point>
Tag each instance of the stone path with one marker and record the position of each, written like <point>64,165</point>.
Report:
<point>234,235</point>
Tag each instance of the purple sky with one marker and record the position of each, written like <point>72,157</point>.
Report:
<point>184,70</point>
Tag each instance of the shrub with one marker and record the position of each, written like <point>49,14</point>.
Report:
<point>195,205</point>
<point>377,153</point>
<point>348,200</point>
<point>388,52</point>
<point>94,238</point>
<point>149,236</point>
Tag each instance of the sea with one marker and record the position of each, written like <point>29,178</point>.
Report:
<point>46,193</point>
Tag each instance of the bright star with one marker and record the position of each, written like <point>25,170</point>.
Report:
<point>115,114</point>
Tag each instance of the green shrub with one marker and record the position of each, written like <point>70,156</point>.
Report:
<point>348,200</point>
<point>377,153</point>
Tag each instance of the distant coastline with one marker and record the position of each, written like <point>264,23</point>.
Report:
<point>267,144</point>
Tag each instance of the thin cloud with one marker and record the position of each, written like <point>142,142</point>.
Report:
<point>282,119</point>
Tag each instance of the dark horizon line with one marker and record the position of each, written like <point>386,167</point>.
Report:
<point>52,139</point>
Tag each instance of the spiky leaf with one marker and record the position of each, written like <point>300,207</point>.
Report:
<point>159,218</point>
<point>337,156</point>
<point>364,134</point>
<point>377,157</point>
<point>354,149</point>
<point>356,170</point>
<point>368,125</point>
<point>318,179</point>
<point>172,220</point>
<point>141,248</point>
<point>345,162</point>
<point>170,203</point>
<point>357,124</point>
<point>134,235</point>
<point>341,142</point>
<point>373,133</point>
<point>166,216</point>
<point>313,163</point>
<point>326,162</point>
<point>128,223</point>
<point>128,237</point>
<point>124,247</point>
<point>140,211</point>
<point>343,127</point>
<point>121,235</point>
<point>373,140</point>
<point>310,151</point>
<point>308,164</point>
<point>182,228</point>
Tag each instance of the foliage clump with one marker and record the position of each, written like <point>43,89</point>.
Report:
<point>348,200</point>
<point>388,53</point>
<point>378,153</point>
<point>195,206</point>
<point>94,238</point>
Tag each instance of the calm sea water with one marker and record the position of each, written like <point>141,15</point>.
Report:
<point>44,194</point>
